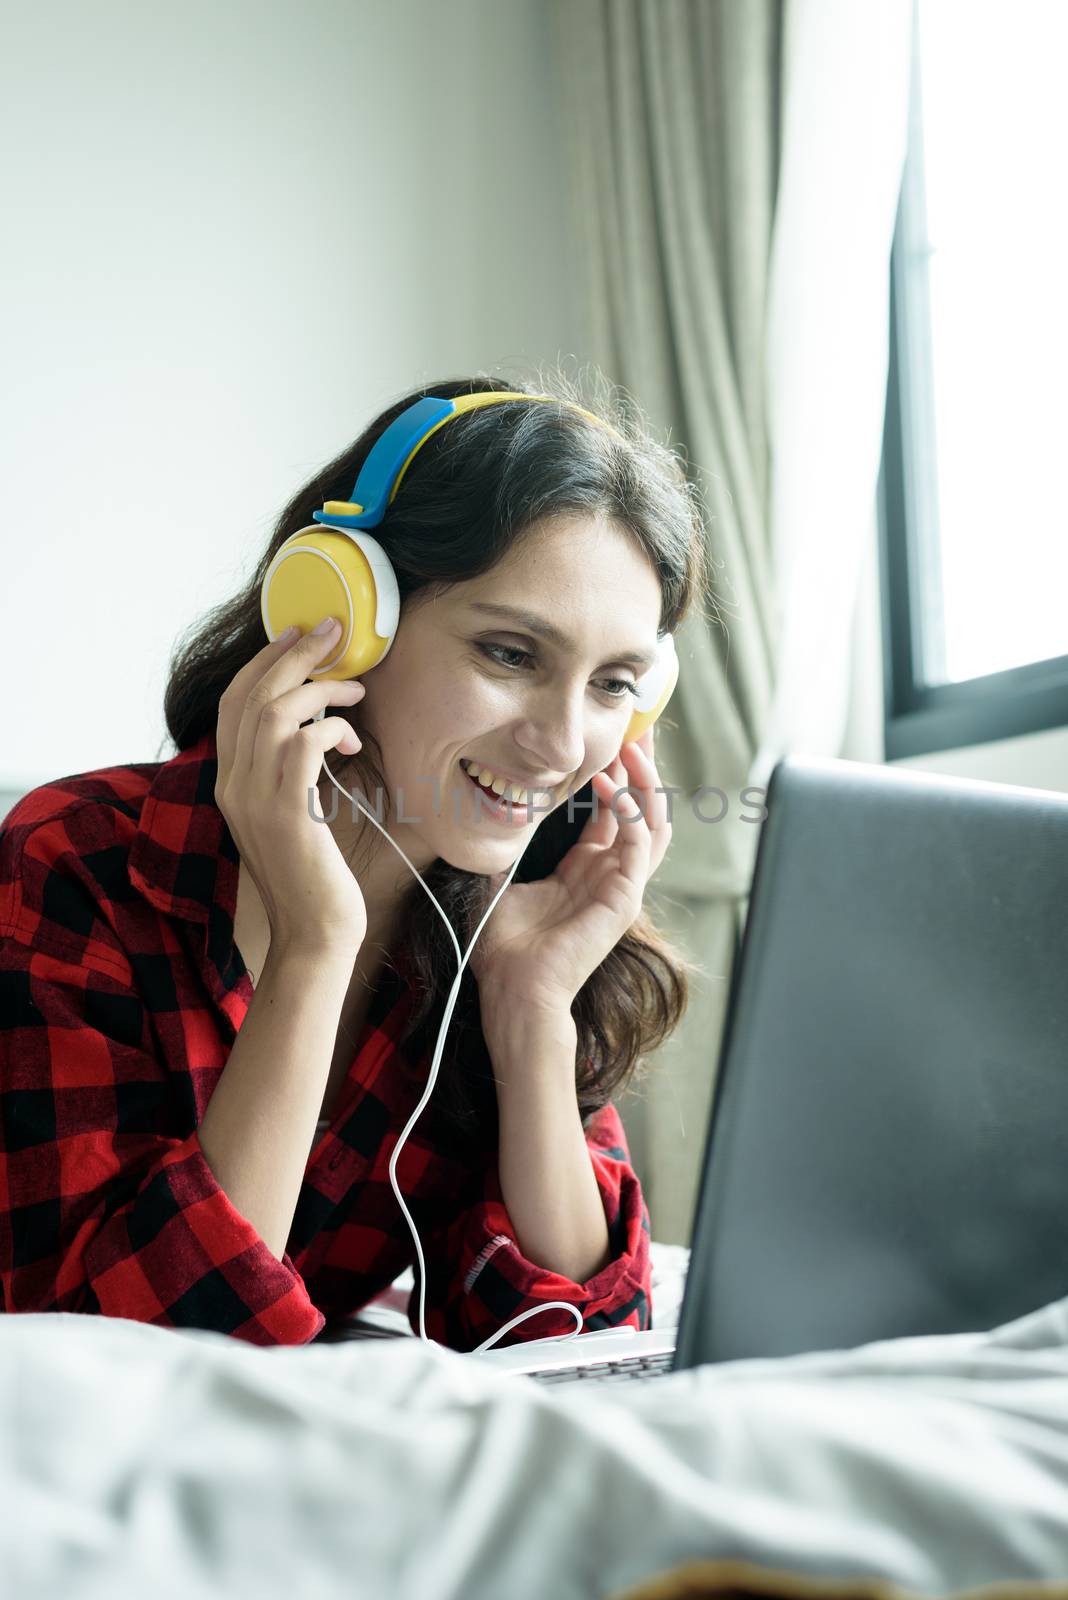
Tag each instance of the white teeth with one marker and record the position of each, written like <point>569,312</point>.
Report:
<point>501,787</point>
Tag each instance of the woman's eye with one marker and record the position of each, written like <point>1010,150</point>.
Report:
<point>504,650</point>
<point>617,687</point>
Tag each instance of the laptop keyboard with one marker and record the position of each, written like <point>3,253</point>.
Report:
<point>629,1367</point>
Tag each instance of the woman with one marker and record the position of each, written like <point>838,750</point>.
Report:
<point>205,973</point>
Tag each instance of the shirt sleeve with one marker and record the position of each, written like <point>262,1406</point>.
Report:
<point>107,1203</point>
<point>478,1277</point>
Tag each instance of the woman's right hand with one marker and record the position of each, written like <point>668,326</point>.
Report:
<point>267,765</point>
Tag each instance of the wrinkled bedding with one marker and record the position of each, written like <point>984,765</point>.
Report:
<point>139,1460</point>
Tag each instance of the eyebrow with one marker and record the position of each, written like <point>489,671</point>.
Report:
<point>549,630</point>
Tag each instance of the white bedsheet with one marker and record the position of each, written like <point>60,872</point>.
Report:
<point>147,1461</point>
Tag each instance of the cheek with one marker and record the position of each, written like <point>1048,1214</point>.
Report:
<point>450,718</point>
<point>460,706</point>
<point>602,756</point>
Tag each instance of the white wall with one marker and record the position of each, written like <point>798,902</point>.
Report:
<point>1037,760</point>
<point>239,231</point>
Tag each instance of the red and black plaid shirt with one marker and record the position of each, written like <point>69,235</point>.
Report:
<point>121,995</point>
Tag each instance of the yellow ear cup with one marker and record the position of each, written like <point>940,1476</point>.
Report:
<point>657,687</point>
<point>330,572</point>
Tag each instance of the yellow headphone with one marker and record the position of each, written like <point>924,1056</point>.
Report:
<point>333,568</point>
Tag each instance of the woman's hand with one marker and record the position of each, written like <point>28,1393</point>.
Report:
<point>544,939</point>
<point>268,764</point>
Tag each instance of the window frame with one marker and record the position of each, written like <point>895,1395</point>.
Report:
<point>920,716</point>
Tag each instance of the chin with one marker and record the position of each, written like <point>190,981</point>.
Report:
<point>483,847</point>
<point>483,851</point>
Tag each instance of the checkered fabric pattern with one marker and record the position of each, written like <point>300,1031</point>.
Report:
<point>121,995</point>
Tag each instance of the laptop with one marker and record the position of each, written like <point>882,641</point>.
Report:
<point>885,1155</point>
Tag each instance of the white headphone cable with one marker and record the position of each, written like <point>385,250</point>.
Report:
<point>450,1006</point>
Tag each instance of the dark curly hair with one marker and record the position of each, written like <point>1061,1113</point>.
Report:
<point>474,488</point>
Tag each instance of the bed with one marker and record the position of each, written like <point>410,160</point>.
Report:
<point>142,1460</point>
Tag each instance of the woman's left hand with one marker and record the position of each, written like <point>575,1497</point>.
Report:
<point>544,939</point>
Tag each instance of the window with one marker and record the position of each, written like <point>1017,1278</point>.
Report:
<point>973,506</point>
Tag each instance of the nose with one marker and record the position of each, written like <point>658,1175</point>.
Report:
<point>554,732</point>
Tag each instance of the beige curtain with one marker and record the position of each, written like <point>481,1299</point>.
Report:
<point>672,115</point>
<point>734,169</point>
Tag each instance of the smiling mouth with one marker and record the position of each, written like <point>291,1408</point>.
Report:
<point>486,790</point>
<point>502,805</point>
<point>535,791</point>
<point>491,795</point>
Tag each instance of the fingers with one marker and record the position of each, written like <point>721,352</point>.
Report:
<point>641,774</point>
<point>631,770</point>
<point>604,818</point>
<point>644,777</point>
<point>272,673</point>
<point>233,699</point>
<point>300,758</point>
<point>618,815</point>
<point>298,705</point>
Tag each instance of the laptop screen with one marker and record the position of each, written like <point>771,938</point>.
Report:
<point>888,1146</point>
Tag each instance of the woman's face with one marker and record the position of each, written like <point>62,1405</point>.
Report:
<point>460,683</point>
